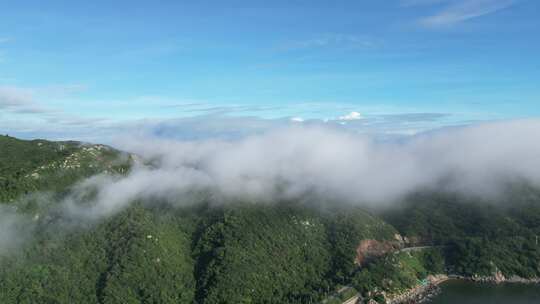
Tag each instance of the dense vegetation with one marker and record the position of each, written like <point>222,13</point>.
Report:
<point>39,165</point>
<point>480,237</point>
<point>280,253</point>
<point>397,272</point>
<point>241,253</point>
<point>141,255</point>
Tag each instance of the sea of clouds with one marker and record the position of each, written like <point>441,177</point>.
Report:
<point>288,162</point>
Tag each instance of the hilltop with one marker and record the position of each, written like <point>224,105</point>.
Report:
<point>40,165</point>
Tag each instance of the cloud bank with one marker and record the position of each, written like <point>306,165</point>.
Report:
<point>332,164</point>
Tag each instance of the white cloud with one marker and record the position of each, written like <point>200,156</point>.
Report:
<point>351,116</point>
<point>13,97</point>
<point>297,119</point>
<point>463,10</point>
<point>332,40</point>
<point>334,164</point>
<point>21,101</point>
<point>20,105</point>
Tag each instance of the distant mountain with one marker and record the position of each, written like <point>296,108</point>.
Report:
<point>203,251</point>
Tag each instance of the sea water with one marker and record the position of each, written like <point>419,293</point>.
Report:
<point>463,292</point>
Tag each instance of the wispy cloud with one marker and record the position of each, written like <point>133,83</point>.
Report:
<point>419,2</point>
<point>16,100</point>
<point>2,53</point>
<point>454,12</point>
<point>351,116</point>
<point>331,40</point>
<point>22,99</point>
<point>19,104</point>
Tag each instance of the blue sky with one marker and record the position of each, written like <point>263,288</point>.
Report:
<point>423,63</point>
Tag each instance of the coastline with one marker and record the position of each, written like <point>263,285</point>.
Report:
<point>421,292</point>
<point>499,278</point>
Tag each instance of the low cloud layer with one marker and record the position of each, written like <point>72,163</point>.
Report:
<point>15,228</point>
<point>334,164</point>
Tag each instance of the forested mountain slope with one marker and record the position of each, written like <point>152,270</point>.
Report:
<point>40,165</point>
<point>201,249</point>
<point>156,252</point>
<point>481,236</point>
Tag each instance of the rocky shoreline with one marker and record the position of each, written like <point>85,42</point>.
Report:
<point>417,296</point>
<point>420,293</point>
<point>499,278</point>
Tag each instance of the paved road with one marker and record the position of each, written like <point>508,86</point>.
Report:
<point>343,289</point>
<point>352,300</point>
<point>413,249</point>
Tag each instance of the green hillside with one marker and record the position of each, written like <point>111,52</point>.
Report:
<point>481,236</point>
<point>139,256</point>
<point>241,253</point>
<point>235,252</point>
<point>39,165</point>
<point>206,251</point>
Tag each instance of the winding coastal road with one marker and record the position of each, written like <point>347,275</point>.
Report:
<point>414,249</point>
<point>353,300</point>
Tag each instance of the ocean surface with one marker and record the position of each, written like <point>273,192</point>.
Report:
<point>460,292</point>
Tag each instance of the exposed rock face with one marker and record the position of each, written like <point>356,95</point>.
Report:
<point>415,241</point>
<point>400,239</point>
<point>419,293</point>
<point>498,278</point>
<point>369,249</point>
<point>518,279</point>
